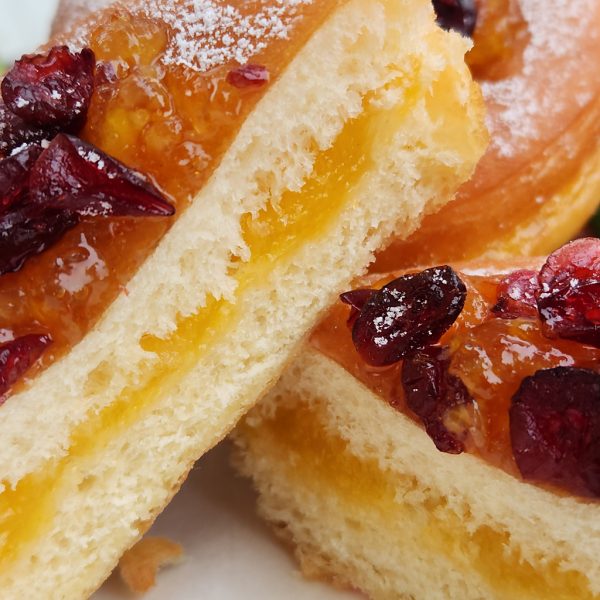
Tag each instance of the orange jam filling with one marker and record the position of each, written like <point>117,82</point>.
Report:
<point>395,501</point>
<point>490,355</point>
<point>172,123</point>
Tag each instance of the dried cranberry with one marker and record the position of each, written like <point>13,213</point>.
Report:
<point>411,312</point>
<point>356,299</point>
<point>555,429</point>
<point>432,393</point>
<point>17,356</point>
<point>569,296</point>
<point>29,230</point>
<point>14,175</point>
<point>517,295</point>
<point>51,90</point>
<point>78,177</point>
<point>459,15</point>
<point>248,76</point>
<point>14,132</point>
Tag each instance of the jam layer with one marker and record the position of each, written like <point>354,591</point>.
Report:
<point>324,459</point>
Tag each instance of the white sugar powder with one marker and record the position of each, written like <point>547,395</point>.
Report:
<point>209,33</point>
<point>555,29</point>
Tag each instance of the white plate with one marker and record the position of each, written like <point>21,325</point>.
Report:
<point>229,552</point>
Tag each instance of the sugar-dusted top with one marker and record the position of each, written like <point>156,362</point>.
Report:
<point>209,33</point>
<point>557,77</point>
<point>205,34</point>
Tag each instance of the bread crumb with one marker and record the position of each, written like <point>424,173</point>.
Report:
<point>139,566</point>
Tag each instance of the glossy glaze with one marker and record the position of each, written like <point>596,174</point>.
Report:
<point>490,355</point>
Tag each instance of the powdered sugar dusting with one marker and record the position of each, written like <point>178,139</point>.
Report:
<point>209,33</point>
<point>555,28</point>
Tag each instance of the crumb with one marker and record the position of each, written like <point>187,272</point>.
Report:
<point>139,566</point>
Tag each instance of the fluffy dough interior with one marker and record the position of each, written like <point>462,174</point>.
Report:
<point>365,499</point>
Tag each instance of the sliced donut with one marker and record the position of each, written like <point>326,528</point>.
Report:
<point>466,469</point>
<point>292,138</point>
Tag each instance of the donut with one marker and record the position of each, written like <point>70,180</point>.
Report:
<point>186,185</point>
<point>438,437</point>
<point>539,181</point>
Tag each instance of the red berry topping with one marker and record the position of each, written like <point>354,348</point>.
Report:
<point>459,15</point>
<point>517,296</point>
<point>51,90</point>
<point>409,313</point>
<point>75,176</point>
<point>569,296</point>
<point>356,299</point>
<point>17,356</point>
<point>555,429</point>
<point>14,132</point>
<point>14,175</point>
<point>29,230</point>
<point>432,393</point>
<point>248,76</point>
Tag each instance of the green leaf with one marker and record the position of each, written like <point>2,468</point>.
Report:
<point>594,224</point>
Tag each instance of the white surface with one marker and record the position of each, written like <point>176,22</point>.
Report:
<point>229,553</point>
<point>23,25</point>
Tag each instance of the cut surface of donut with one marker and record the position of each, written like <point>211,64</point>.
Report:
<point>291,138</point>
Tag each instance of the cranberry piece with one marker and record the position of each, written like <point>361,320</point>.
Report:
<point>459,15</point>
<point>14,132</point>
<point>569,296</point>
<point>408,313</point>
<point>29,230</point>
<point>517,295</point>
<point>555,428</point>
<point>14,175</point>
<point>356,299</point>
<point>51,90</point>
<point>248,76</point>
<point>431,392</point>
<point>17,356</point>
<point>78,177</point>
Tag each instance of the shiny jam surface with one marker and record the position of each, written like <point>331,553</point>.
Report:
<point>144,110</point>
<point>490,355</point>
<point>536,63</point>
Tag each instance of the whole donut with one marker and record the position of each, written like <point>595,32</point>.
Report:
<point>539,182</point>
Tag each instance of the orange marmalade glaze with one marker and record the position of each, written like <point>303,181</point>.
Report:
<point>490,355</point>
<point>172,122</point>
